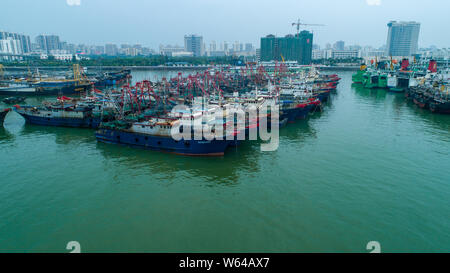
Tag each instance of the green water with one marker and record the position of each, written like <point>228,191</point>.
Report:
<point>371,167</point>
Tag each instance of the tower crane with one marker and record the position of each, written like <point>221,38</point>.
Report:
<point>298,24</point>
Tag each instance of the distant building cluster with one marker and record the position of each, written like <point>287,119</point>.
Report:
<point>402,41</point>
<point>340,51</point>
<point>194,46</point>
<point>435,53</point>
<point>16,46</point>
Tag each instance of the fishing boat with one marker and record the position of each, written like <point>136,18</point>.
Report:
<point>112,78</point>
<point>375,79</point>
<point>392,84</point>
<point>14,100</point>
<point>3,114</point>
<point>433,98</point>
<point>358,77</point>
<point>67,112</point>
<point>155,134</point>
<point>441,106</point>
<point>65,115</point>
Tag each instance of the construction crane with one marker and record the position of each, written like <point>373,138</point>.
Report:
<point>298,24</point>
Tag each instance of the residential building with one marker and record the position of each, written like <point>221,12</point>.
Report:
<point>111,50</point>
<point>339,45</point>
<point>289,48</point>
<point>10,46</point>
<point>24,41</point>
<point>402,38</point>
<point>48,43</point>
<point>194,43</point>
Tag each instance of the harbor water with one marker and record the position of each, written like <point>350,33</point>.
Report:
<point>370,167</point>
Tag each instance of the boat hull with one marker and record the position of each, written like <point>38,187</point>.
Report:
<point>396,90</point>
<point>46,91</point>
<point>163,143</point>
<point>302,112</point>
<point>441,108</point>
<point>62,122</point>
<point>290,114</point>
<point>3,114</point>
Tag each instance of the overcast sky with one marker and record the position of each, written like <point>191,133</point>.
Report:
<point>152,22</point>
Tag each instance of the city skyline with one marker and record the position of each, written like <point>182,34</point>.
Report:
<point>366,27</point>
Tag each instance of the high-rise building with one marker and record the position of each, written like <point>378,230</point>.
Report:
<point>111,49</point>
<point>403,38</point>
<point>41,41</point>
<point>194,43</point>
<point>212,46</point>
<point>225,47</point>
<point>248,47</point>
<point>10,46</point>
<point>339,45</point>
<point>24,41</point>
<point>290,48</point>
<point>48,43</point>
<point>63,46</point>
<point>53,42</point>
<point>99,50</point>
<point>237,46</point>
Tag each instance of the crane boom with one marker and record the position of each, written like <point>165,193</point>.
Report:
<point>299,23</point>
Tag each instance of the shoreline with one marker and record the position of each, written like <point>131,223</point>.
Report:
<point>158,68</point>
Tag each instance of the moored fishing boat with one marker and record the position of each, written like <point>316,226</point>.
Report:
<point>358,76</point>
<point>14,100</point>
<point>67,112</point>
<point>155,134</point>
<point>112,78</point>
<point>441,106</point>
<point>375,79</point>
<point>45,88</point>
<point>436,99</point>
<point>66,115</point>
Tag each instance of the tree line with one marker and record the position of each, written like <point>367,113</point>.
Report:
<point>154,60</point>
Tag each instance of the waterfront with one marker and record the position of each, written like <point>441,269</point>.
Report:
<point>370,167</point>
